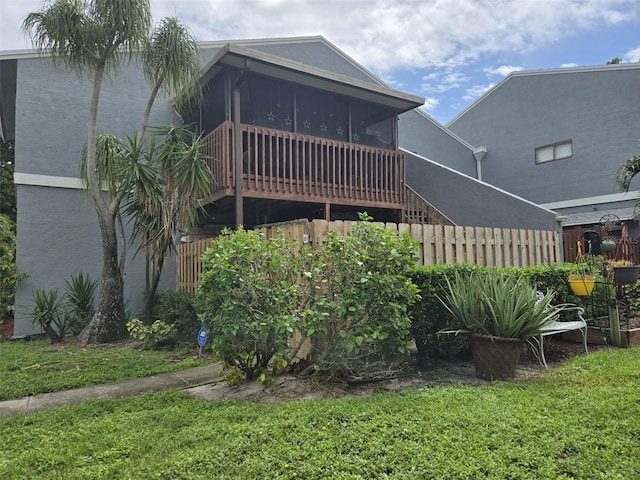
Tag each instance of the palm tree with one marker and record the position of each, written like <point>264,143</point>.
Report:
<point>165,203</point>
<point>626,172</point>
<point>93,38</point>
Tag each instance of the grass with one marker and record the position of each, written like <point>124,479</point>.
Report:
<point>31,367</point>
<point>578,422</point>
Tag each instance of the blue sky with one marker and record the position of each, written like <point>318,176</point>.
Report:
<point>447,51</point>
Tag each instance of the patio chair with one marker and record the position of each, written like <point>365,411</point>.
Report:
<point>557,327</point>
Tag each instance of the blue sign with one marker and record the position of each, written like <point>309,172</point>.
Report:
<point>202,337</point>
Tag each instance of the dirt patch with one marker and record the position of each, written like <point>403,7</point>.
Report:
<point>291,387</point>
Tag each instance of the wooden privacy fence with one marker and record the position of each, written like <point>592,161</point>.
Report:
<point>439,244</point>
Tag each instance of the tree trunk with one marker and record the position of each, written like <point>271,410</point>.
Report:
<point>51,333</point>
<point>152,289</point>
<point>108,323</point>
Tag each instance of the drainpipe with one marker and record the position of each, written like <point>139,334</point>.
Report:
<point>478,154</point>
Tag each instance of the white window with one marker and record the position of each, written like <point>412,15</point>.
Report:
<point>555,151</point>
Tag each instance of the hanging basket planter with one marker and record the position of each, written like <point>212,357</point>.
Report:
<point>608,245</point>
<point>581,284</point>
<point>626,275</point>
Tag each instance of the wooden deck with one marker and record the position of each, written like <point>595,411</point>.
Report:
<point>283,165</point>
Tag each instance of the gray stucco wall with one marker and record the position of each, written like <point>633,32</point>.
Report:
<point>317,54</point>
<point>471,203</point>
<point>52,110</point>
<point>57,227</point>
<point>59,237</point>
<point>422,135</point>
<point>597,109</point>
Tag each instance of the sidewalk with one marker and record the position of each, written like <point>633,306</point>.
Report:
<point>181,379</point>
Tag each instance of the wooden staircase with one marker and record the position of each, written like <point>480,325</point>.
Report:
<point>419,210</point>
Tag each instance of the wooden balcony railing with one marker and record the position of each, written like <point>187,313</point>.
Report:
<point>292,166</point>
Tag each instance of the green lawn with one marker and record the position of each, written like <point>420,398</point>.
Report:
<point>28,368</point>
<point>580,421</point>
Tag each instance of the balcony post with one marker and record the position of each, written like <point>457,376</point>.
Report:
<point>238,157</point>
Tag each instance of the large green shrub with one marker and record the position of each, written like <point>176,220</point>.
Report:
<point>362,305</point>
<point>350,296</point>
<point>250,299</point>
<point>9,276</point>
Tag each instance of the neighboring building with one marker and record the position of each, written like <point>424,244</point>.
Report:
<point>313,133</point>
<point>557,137</point>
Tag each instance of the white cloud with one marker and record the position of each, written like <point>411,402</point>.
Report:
<point>442,81</point>
<point>502,70</point>
<point>475,91</point>
<point>568,65</point>
<point>430,103</point>
<point>381,34</point>
<point>632,55</point>
<point>396,39</point>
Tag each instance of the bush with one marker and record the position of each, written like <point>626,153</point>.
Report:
<point>178,310</point>
<point>251,300</point>
<point>363,293</point>
<point>9,276</point>
<point>351,296</point>
<point>153,336</point>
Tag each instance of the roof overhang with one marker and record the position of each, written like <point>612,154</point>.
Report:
<point>251,60</point>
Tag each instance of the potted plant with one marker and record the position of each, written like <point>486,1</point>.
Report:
<point>625,272</point>
<point>500,312</point>
<point>581,281</point>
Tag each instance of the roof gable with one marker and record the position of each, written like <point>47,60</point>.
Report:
<point>249,58</point>
<point>516,76</point>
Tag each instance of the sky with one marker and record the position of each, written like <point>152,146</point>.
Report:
<point>447,51</point>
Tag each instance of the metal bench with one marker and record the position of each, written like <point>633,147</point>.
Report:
<point>554,328</point>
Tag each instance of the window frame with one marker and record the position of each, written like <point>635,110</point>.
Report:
<point>554,147</point>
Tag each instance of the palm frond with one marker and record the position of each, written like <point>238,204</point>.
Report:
<point>81,33</point>
<point>172,59</point>
<point>626,172</point>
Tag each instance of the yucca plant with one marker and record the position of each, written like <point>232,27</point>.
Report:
<point>500,311</point>
<point>80,297</point>
<point>499,305</point>
<point>48,311</point>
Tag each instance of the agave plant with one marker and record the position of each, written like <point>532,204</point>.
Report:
<point>499,305</point>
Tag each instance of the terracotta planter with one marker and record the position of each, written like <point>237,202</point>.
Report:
<point>580,284</point>
<point>495,358</point>
<point>626,275</point>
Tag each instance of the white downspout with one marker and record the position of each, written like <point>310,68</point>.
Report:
<point>478,154</point>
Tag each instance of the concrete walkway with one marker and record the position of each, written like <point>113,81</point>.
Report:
<point>181,379</point>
